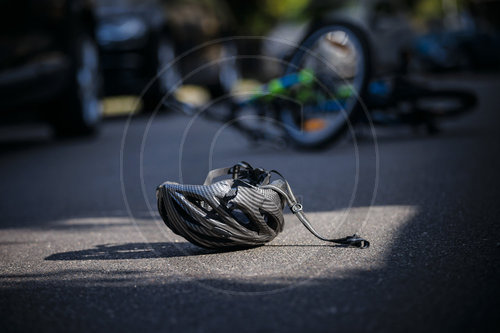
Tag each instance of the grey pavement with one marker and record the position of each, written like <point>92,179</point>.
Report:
<point>83,248</point>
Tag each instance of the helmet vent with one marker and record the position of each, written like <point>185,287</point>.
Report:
<point>242,218</point>
<point>270,220</point>
<point>182,212</point>
<point>203,205</point>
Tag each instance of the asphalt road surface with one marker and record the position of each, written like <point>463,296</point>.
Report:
<point>83,248</point>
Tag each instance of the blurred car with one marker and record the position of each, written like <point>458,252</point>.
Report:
<point>202,31</point>
<point>140,39</point>
<point>49,65</point>
<point>135,48</point>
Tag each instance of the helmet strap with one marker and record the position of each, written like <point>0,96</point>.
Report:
<point>242,171</point>
<point>257,176</point>
<point>297,210</point>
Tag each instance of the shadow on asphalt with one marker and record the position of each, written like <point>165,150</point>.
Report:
<point>132,251</point>
<point>151,250</point>
<point>66,273</point>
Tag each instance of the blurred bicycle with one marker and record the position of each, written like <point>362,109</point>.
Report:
<point>327,87</point>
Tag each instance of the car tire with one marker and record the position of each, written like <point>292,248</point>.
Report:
<point>78,111</point>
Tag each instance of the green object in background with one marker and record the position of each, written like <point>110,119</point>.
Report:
<point>344,91</point>
<point>275,86</point>
<point>301,82</point>
<point>306,76</point>
<point>301,86</point>
<point>305,95</point>
<point>285,9</point>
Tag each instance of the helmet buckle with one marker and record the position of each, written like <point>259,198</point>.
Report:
<point>296,207</point>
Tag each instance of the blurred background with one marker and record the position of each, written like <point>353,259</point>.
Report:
<point>82,150</point>
<point>72,63</point>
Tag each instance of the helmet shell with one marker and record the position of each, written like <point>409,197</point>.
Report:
<point>228,213</point>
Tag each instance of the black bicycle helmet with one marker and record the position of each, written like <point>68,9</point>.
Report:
<point>246,210</point>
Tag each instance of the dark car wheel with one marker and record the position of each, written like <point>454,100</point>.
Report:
<point>78,111</point>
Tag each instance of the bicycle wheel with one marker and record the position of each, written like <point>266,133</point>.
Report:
<point>338,55</point>
<point>445,103</point>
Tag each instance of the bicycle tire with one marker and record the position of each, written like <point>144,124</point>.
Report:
<point>337,127</point>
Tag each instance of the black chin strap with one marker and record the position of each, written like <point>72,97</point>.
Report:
<point>242,170</point>
<point>258,176</point>
<point>297,210</point>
